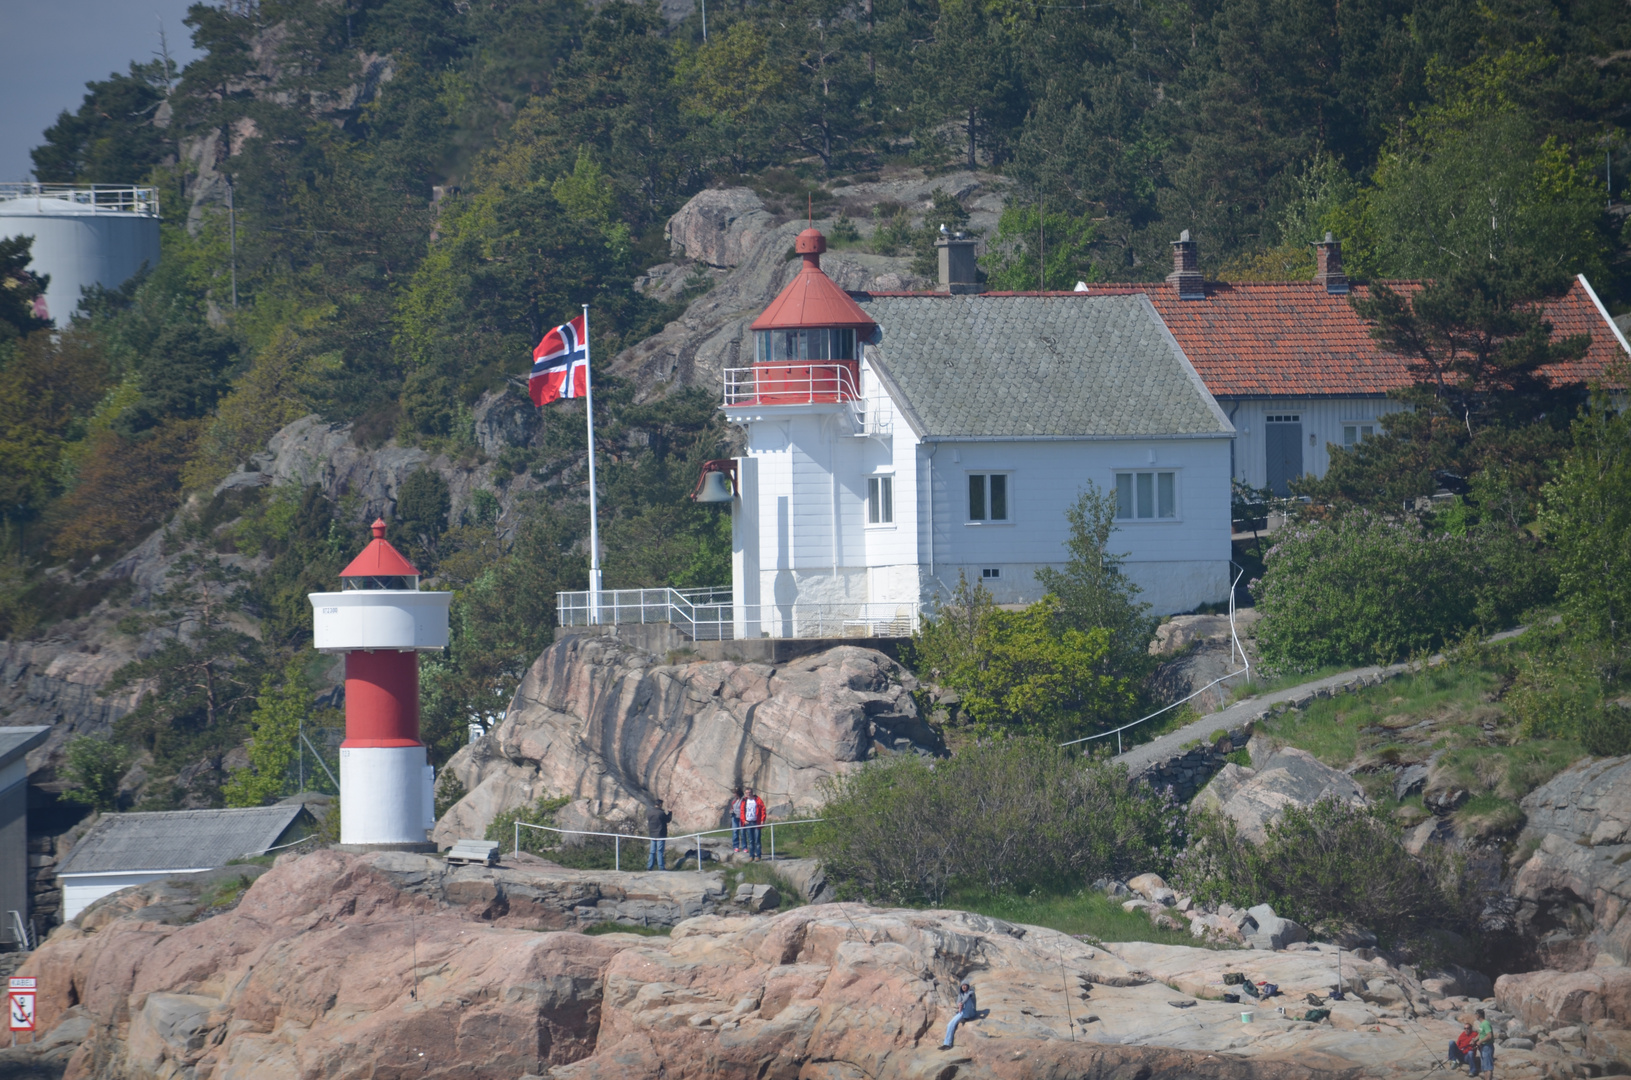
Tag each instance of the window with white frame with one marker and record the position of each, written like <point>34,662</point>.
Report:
<point>990,573</point>
<point>880,500</point>
<point>1146,495</point>
<point>1356,431</point>
<point>988,496</point>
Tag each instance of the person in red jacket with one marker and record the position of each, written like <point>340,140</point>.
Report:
<point>754,816</point>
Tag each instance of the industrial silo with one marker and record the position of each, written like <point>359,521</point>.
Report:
<point>83,235</point>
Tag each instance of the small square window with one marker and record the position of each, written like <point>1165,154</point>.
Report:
<point>990,573</point>
<point>1356,433</point>
<point>880,500</point>
<point>987,497</point>
<point>1146,496</point>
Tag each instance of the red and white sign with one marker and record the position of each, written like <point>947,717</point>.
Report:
<point>21,993</point>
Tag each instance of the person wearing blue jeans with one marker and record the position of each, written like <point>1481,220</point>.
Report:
<point>966,1010</point>
<point>738,842</point>
<point>657,820</point>
<point>1485,1047</point>
<point>753,820</point>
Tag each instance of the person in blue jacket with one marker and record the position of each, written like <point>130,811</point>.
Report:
<point>966,1010</point>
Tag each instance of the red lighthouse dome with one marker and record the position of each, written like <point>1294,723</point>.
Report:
<point>807,342</point>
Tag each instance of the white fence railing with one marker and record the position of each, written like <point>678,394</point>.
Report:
<point>709,615</point>
<point>94,198</point>
<point>805,383</point>
<point>791,382</point>
<point>693,840</point>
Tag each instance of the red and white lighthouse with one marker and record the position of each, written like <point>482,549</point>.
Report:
<point>381,621</point>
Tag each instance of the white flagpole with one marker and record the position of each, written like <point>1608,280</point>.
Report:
<point>594,519</point>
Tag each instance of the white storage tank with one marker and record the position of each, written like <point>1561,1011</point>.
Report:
<point>83,235</point>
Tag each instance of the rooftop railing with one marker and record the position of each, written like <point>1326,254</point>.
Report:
<point>86,198</point>
<point>794,382</point>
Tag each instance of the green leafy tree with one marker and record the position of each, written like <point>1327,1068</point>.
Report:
<point>18,289</point>
<point>1364,589</point>
<point>1092,589</point>
<point>274,726</point>
<point>93,768</point>
<point>1021,671</point>
<point>1036,248</point>
<point>423,505</point>
<point>1586,516</point>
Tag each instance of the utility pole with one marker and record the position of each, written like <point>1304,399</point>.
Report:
<point>232,239</point>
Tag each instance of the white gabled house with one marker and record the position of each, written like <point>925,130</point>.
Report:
<point>894,441</point>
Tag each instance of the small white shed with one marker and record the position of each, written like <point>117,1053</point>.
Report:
<point>122,850</point>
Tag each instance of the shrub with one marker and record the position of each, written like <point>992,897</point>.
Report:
<point>1001,816</point>
<point>1366,590</point>
<point>1021,670</point>
<point>1327,866</point>
<point>94,768</point>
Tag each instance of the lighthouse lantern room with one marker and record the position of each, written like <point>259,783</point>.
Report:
<point>381,622</point>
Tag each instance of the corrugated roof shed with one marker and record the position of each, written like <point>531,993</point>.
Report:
<point>178,839</point>
<point>1038,367</point>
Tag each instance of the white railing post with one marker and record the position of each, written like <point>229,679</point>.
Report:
<point>518,837</point>
<point>617,853</point>
<point>772,841</point>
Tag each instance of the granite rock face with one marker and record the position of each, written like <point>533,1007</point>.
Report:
<point>721,227</point>
<point>611,728</point>
<point>1556,998</point>
<point>1289,777</point>
<point>1574,891</point>
<point>363,967</point>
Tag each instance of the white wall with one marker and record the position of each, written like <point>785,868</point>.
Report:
<point>1180,563</point>
<point>800,533</point>
<point>1322,418</point>
<point>80,891</point>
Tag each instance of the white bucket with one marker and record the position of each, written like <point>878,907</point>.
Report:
<point>1245,1018</point>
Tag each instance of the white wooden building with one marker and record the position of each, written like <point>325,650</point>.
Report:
<point>894,442</point>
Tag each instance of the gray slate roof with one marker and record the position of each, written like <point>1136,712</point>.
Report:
<point>178,839</point>
<point>1038,367</point>
<point>17,741</point>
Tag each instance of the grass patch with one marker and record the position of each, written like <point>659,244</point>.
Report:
<point>618,928</point>
<point>1088,913</point>
<point>1486,816</point>
<point>227,893</point>
<point>1338,729</point>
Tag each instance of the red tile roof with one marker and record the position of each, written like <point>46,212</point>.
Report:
<point>1294,338</point>
<point>811,299</point>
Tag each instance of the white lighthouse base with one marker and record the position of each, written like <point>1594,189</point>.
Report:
<point>386,795</point>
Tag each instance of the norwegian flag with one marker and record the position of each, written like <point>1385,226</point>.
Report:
<point>560,364</point>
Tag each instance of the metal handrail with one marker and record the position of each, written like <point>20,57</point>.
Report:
<point>99,198</point>
<point>24,939</point>
<point>1247,670</point>
<point>834,379</point>
<point>716,618</point>
<point>617,838</point>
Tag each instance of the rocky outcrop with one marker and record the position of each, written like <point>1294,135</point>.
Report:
<point>721,227</point>
<point>611,728</point>
<point>1197,650</point>
<point>1558,998</point>
<point>1574,892</point>
<point>347,966</point>
<point>1289,777</point>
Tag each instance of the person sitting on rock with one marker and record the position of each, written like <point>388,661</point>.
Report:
<point>966,1010</point>
<point>657,820</point>
<point>1463,1051</point>
<point>734,809</point>
<point>754,816</point>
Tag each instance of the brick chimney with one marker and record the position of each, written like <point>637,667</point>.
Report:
<point>1328,258</point>
<point>957,268</point>
<point>1186,273</point>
